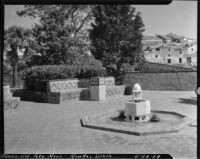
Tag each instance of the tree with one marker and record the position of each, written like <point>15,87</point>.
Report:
<point>116,35</point>
<point>16,40</point>
<point>61,35</point>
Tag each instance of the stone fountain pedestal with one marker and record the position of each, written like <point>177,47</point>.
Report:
<point>9,102</point>
<point>138,111</point>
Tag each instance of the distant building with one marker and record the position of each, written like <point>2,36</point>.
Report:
<point>181,39</point>
<point>172,55</point>
<point>150,41</point>
<point>165,39</point>
<point>176,38</point>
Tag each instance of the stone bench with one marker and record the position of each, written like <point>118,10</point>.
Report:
<point>35,96</point>
<point>60,91</point>
<point>62,97</point>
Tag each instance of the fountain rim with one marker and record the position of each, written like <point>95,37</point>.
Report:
<point>89,122</point>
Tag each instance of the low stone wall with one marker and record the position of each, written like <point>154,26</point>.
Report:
<point>61,85</point>
<point>65,85</point>
<point>115,90</point>
<point>61,91</point>
<point>109,81</point>
<point>166,67</point>
<point>62,97</point>
<point>183,81</point>
<point>74,94</point>
<point>26,95</point>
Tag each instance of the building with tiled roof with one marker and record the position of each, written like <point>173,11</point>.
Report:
<point>165,39</point>
<point>172,54</point>
<point>150,41</point>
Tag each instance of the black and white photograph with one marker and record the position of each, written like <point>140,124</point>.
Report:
<point>100,79</point>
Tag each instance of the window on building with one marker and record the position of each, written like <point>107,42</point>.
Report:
<point>168,60</point>
<point>157,49</point>
<point>136,118</point>
<point>189,60</point>
<point>180,60</point>
<point>180,52</point>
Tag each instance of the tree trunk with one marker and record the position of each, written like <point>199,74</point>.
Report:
<point>14,76</point>
<point>119,65</point>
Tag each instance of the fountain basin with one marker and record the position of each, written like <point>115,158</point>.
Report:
<point>138,111</point>
<point>170,122</point>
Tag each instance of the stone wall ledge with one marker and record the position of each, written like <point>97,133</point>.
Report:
<point>63,96</point>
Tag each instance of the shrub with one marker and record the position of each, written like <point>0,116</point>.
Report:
<point>32,75</point>
<point>128,90</point>
<point>90,67</point>
<point>121,114</point>
<point>154,118</point>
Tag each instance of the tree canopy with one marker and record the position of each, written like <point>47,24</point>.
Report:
<point>116,35</point>
<point>16,40</point>
<point>61,35</point>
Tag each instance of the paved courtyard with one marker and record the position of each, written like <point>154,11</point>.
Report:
<point>53,128</point>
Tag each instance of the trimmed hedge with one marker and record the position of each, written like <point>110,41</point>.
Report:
<point>53,72</point>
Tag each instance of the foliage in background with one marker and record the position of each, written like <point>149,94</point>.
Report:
<point>16,40</point>
<point>6,66</point>
<point>92,68</point>
<point>61,36</point>
<point>116,35</point>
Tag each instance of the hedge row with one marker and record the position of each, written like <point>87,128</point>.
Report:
<point>53,72</point>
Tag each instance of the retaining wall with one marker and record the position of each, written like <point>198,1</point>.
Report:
<point>166,67</point>
<point>182,80</point>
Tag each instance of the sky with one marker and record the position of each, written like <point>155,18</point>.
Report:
<point>179,17</point>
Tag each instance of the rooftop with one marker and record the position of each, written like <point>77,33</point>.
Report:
<point>171,35</point>
<point>163,37</point>
<point>150,37</point>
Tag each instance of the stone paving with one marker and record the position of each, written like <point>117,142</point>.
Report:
<point>53,128</point>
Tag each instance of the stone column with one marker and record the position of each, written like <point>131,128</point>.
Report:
<point>97,88</point>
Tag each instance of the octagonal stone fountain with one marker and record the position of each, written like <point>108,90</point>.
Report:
<point>138,109</point>
<point>137,118</point>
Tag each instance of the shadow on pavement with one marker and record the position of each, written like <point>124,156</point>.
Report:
<point>192,100</point>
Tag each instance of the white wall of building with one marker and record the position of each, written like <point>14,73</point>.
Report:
<point>170,56</point>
